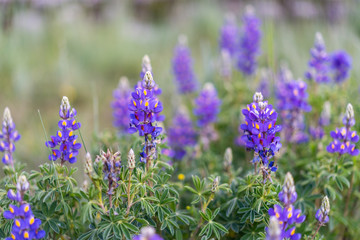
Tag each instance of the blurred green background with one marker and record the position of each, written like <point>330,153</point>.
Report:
<point>81,48</point>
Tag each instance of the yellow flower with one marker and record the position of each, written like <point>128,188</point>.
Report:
<point>188,207</point>
<point>181,177</point>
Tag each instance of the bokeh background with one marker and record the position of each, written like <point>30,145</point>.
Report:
<point>52,48</point>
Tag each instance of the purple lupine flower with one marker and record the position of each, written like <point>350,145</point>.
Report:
<point>183,68</point>
<point>181,134</point>
<point>8,137</point>
<point>344,139</point>
<point>120,105</point>
<point>249,43</point>
<point>143,108</point>
<point>318,64</point>
<point>317,132</point>
<point>322,214</point>
<point>260,134</point>
<point>287,216</point>
<point>112,165</point>
<point>147,233</point>
<point>207,108</point>
<point>264,86</point>
<point>340,63</point>
<point>229,34</point>
<point>292,103</point>
<point>25,226</point>
<point>65,138</point>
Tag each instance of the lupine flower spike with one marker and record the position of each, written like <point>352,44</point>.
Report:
<point>112,165</point>
<point>147,233</point>
<point>292,102</point>
<point>25,226</point>
<point>340,64</point>
<point>181,135</point>
<point>229,35</point>
<point>65,138</point>
<point>143,107</point>
<point>344,139</point>
<point>8,137</point>
<point>146,67</point>
<point>260,134</point>
<point>322,214</point>
<point>287,216</point>
<point>120,103</point>
<point>225,66</point>
<point>318,64</point>
<point>183,68</point>
<point>207,108</point>
<point>250,41</point>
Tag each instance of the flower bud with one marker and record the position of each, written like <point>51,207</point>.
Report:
<point>274,231</point>
<point>131,159</point>
<point>228,157</point>
<point>88,164</point>
<point>319,40</point>
<point>263,105</point>
<point>215,185</point>
<point>65,105</point>
<point>183,40</point>
<point>146,64</point>
<point>7,118</point>
<point>123,84</point>
<point>148,81</point>
<point>325,206</point>
<point>258,97</point>
<point>22,184</point>
<point>147,232</point>
<point>349,111</point>
<point>289,183</point>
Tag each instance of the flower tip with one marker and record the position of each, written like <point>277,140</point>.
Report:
<point>258,97</point>
<point>183,40</point>
<point>131,159</point>
<point>146,60</point>
<point>123,83</point>
<point>319,40</point>
<point>249,10</point>
<point>7,117</point>
<point>349,111</point>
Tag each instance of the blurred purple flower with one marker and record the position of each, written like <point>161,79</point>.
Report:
<point>264,86</point>
<point>318,64</point>
<point>181,135</point>
<point>183,68</point>
<point>250,41</point>
<point>340,63</point>
<point>8,137</point>
<point>317,132</point>
<point>292,102</point>
<point>120,105</point>
<point>322,214</point>
<point>207,105</point>
<point>229,35</point>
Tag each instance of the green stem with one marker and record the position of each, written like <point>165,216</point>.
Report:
<point>128,194</point>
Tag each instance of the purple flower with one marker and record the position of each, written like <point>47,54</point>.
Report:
<point>112,165</point>
<point>287,215</point>
<point>318,64</point>
<point>120,105</point>
<point>143,107</point>
<point>249,43</point>
<point>324,120</point>
<point>183,68</point>
<point>340,63</point>
<point>65,138</point>
<point>229,34</point>
<point>181,134</point>
<point>25,226</point>
<point>260,133</point>
<point>147,233</point>
<point>8,137</point>
<point>322,214</point>
<point>207,105</point>
<point>292,102</point>
<point>344,139</point>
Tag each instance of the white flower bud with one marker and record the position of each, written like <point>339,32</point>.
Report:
<point>131,159</point>
<point>146,64</point>
<point>258,97</point>
<point>289,186</point>
<point>274,231</point>
<point>325,206</point>
<point>228,157</point>
<point>349,111</point>
<point>147,232</point>
<point>148,81</point>
<point>123,84</point>
<point>7,117</point>
<point>319,40</point>
<point>22,184</point>
<point>183,40</point>
<point>215,185</point>
<point>88,164</point>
